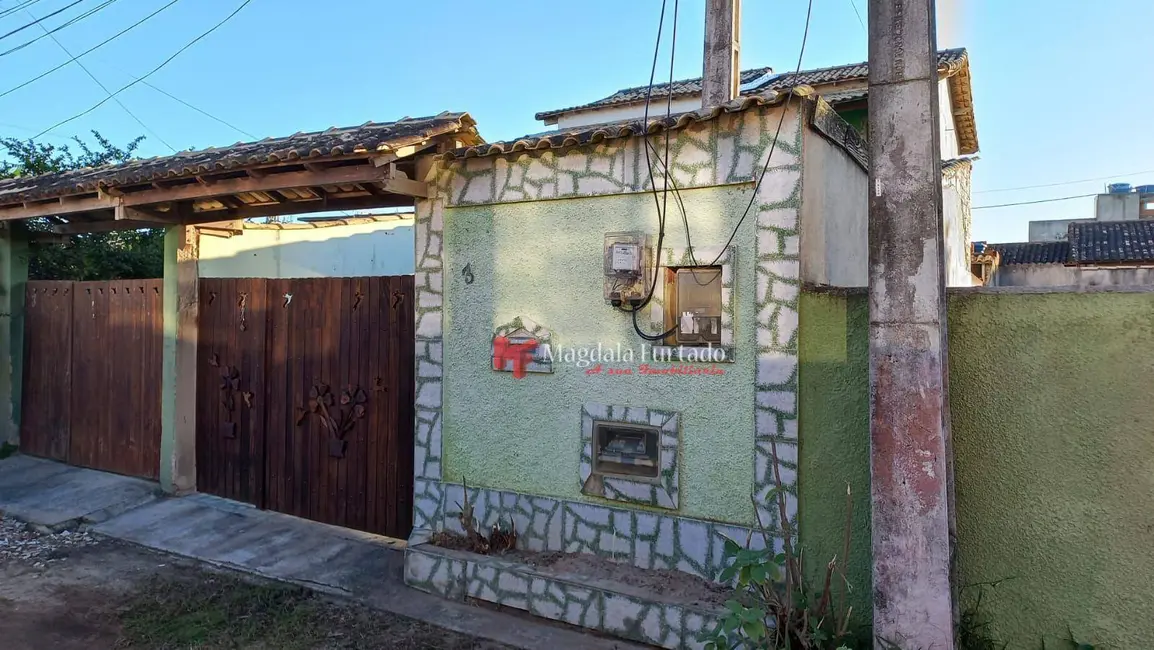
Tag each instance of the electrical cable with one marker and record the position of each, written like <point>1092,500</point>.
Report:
<point>1084,180</point>
<point>58,28</point>
<point>37,21</point>
<point>89,50</point>
<point>857,13</point>
<point>150,72</point>
<point>1007,205</point>
<point>773,144</point>
<point>198,110</point>
<point>22,5</point>
<point>102,86</point>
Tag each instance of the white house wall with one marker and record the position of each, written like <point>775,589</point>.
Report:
<point>378,248</point>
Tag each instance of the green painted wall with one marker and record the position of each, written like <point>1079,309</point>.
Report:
<point>858,118</point>
<point>543,260</point>
<point>13,281</point>
<point>1054,454</point>
<point>833,420</point>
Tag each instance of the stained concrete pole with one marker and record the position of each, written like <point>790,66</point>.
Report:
<point>720,78</point>
<point>909,411</point>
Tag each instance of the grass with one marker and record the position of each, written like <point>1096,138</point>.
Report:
<point>218,611</point>
<point>7,449</point>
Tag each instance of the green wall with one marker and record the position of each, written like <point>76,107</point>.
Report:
<point>543,260</point>
<point>833,420</point>
<point>1054,454</point>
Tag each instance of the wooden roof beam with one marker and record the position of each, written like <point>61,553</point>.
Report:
<point>285,180</point>
<point>33,209</point>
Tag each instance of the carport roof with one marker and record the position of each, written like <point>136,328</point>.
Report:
<point>366,166</point>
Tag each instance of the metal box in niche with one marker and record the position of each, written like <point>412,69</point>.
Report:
<point>626,449</point>
<point>698,305</point>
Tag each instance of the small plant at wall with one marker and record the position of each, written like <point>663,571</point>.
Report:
<point>774,606</point>
<point>974,631</point>
<point>500,539</point>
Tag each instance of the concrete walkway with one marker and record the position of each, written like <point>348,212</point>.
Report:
<point>337,561</point>
<point>57,496</point>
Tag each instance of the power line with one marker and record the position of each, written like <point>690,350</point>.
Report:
<point>102,86</point>
<point>49,33</point>
<point>22,5</point>
<point>1006,205</point>
<point>773,144</point>
<point>37,21</point>
<point>858,14</point>
<point>89,50</point>
<point>1084,180</point>
<point>150,72</point>
<point>198,110</point>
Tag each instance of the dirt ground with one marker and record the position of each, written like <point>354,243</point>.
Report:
<point>79,592</point>
<point>664,585</point>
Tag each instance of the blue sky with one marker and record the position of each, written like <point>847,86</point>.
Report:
<point>1059,92</point>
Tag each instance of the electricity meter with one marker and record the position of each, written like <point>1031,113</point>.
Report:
<point>627,266</point>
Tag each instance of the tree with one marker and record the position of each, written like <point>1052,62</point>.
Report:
<point>94,256</point>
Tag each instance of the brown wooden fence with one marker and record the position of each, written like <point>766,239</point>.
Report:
<point>305,393</point>
<point>92,374</point>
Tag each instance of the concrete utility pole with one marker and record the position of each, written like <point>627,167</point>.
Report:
<point>910,454</point>
<point>721,78</point>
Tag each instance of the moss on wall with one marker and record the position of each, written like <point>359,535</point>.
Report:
<point>1054,456</point>
<point>834,423</point>
<point>543,261</point>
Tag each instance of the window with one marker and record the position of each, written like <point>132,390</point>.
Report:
<point>693,305</point>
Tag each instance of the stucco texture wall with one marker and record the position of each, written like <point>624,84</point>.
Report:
<point>360,249</point>
<point>543,261</point>
<point>1054,459</point>
<point>833,412</point>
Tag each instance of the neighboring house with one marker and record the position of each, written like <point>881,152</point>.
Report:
<point>842,236</point>
<point>843,86</point>
<point>1121,203</point>
<point>1094,254</point>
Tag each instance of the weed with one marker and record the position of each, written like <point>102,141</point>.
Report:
<point>7,449</point>
<point>774,607</point>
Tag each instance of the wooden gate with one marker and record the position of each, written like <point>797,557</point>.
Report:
<point>305,392</point>
<point>92,374</point>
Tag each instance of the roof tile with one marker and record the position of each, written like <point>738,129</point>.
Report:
<point>366,138</point>
<point>1114,242</point>
<point>815,77</point>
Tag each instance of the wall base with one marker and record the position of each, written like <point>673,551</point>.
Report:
<point>599,606</point>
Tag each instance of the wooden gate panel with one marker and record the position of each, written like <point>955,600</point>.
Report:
<point>332,387</point>
<point>47,386</point>
<point>230,380</point>
<point>117,333</point>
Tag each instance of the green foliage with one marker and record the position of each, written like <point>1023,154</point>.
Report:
<point>775,607</point>
<point>121,255</point>
<point>94,256</point>
<point>29,158</point>
<point>7,449</point>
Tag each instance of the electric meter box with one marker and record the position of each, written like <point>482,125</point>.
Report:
<point>627,266</point>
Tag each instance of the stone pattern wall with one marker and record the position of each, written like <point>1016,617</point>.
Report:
<point>660,494</point>
<point>730,149</point>
<point>456,576</point>
<point>648,540</point>
<point>428,284</point>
